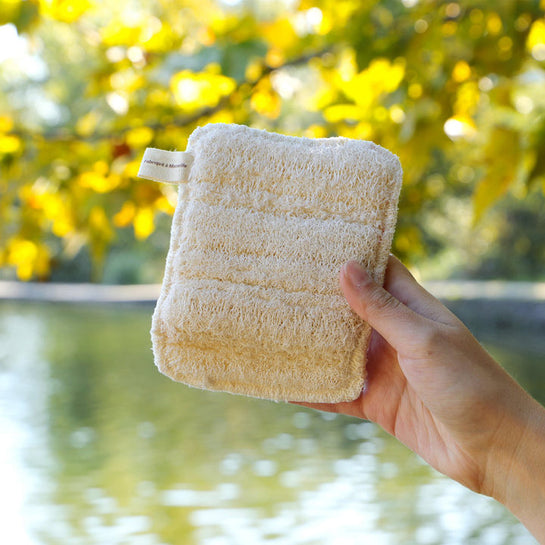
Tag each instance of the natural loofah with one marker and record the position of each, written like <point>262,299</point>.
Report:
<point>250,302</point>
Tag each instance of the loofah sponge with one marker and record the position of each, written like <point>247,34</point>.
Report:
<point>250,302</point>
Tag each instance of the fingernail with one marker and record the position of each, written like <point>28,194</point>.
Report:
<point>355,273</point>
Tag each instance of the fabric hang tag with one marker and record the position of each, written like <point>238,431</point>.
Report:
<point>170,167</point>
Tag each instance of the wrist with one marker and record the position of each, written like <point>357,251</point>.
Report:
<point>518,466</point>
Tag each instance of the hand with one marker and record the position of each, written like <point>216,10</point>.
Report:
<point>434,387</point>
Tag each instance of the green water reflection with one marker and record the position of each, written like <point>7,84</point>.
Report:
<point>96,447</point>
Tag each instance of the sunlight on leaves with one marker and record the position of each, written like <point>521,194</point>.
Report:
<point>430,81</point>
<point>340,112</point>
<point>87,123</point>
<point>99,182</point>
<point>196,90</point>
<point>9,144</point>
<point>381,77</point>
<point>536,40</point>
<point>265,100</point>
<point>6,123</point>
<point>29,258</point>
<point>139,137</point>
<point>460,127</point>
<point>143,223</point>
<point>126,215</point>
<point>461,71</point>
<point>280,34</point>
<point>66,11</point>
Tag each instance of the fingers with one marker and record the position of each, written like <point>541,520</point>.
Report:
<point>403,286</point>
<point>394,320</point>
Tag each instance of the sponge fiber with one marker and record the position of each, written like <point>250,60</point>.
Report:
<point>250,302</point>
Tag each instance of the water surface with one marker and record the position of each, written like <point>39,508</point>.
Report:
<point>97,447</point>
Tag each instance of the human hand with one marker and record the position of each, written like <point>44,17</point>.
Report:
<point>434,387</point>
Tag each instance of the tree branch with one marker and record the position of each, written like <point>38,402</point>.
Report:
<point>62,135</point>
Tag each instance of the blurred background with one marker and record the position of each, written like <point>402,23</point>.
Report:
<point>454,88</point>
<point>96,447</point>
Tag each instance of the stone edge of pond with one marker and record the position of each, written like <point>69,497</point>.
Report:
<point>78,293</point>
<point>448,290</point>
<point>482,305</point>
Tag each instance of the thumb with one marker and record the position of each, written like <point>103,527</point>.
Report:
<point>396,322</point>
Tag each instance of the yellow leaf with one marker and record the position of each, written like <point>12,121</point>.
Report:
<point>324,96</point>
<point>267,103</point>
<point>449,28</point>
<point>57,210</point>
<point>222,116</point>
<point>87,123</point>
<point>62,226</point>
<point>361,131</point>
<point>197,90</point>
<point>98,221</point>
<point>415,90</point>
<point>143,223</point>
<point>206,36</point>
<point>280,34</point>
<point>341,112</point>
<point>461,71</point>
<point>126,215</point>
<point>119,33</point>
<point>99,182</point>
<point>66,11</point>
<point>316,131</point>
<point>468,96</point>
<point>92,180</point>
<point>139,137</point>
<point>158,36</point>
<point>6,123</point>
<point>101,167</point>
<point>254,70</point>
<point>536,39</point>
<point>347,67</point>
<point>494,24</point>
<point>164,205</point>
<point>131,169</point>
<point>29,258</point>
<point>21,250</point>
<point>157,98</point>
<point>381,77</point>
<point>9,144</point>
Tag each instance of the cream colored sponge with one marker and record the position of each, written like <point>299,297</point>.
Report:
<point>250,302</point>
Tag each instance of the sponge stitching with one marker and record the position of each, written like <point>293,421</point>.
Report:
<point>261,287</point>
<point>249,388</point>
<point>301,211</point>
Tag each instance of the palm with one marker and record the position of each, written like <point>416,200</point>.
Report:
<point>434,387</point>
<point>429,391</point>
<point>390,401</point>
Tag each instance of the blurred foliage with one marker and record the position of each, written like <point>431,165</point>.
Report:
<point>454,88</point>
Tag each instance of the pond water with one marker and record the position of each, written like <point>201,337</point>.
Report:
<point>97,447</point>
